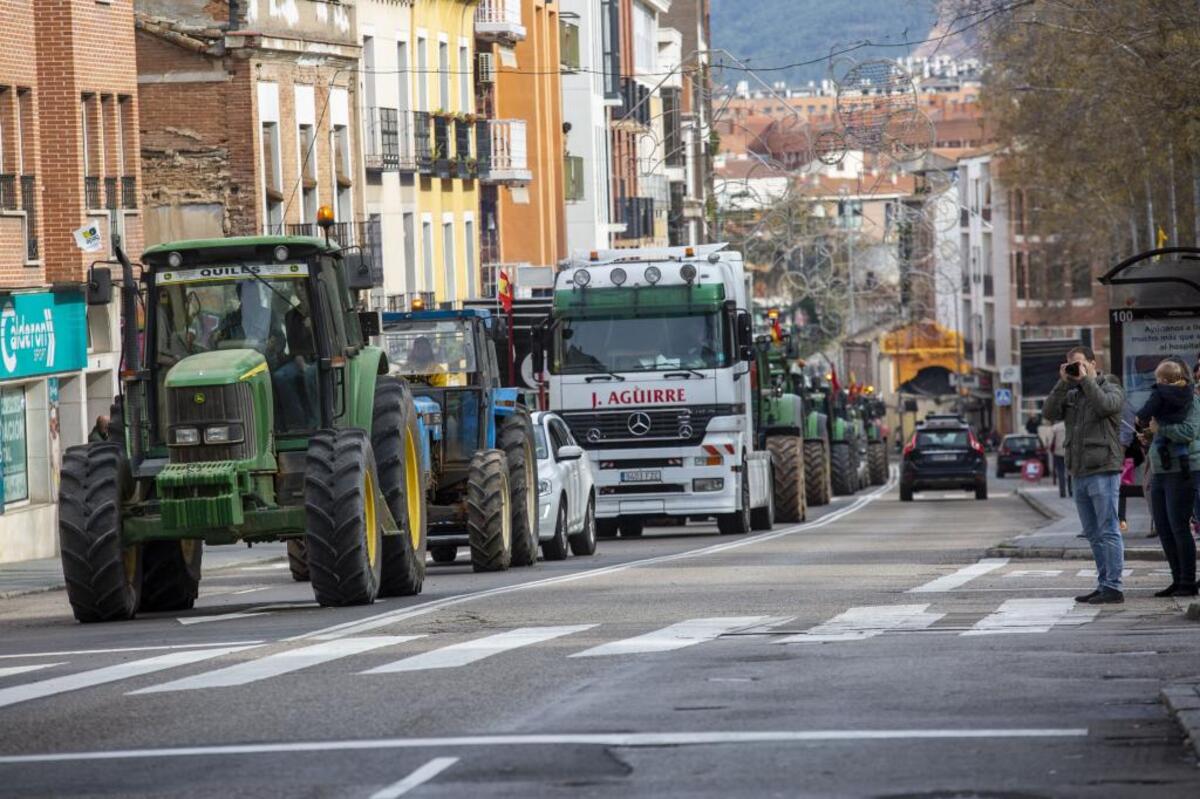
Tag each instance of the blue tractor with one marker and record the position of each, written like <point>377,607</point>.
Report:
<point>483,481</point>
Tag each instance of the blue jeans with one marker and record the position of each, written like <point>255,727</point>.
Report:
<point>1096,503</point>
<point>1171,499</point>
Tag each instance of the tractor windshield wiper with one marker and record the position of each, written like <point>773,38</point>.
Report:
<point>606,376</point>
<point>291,302</point>
<point>686,375</point>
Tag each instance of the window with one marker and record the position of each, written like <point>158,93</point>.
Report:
<point>410,253</point>
<point>341,172</point>
<point>1081,281</point>
<point>15,448</point>
<point>469,252</point>
<point>573,173</point>
<point>449,260</point>
<point>427,253</point>
<point>610,34</point>
<point>368,58</point>
<point>126,123</point>
<point>1019,277</point>
<point>673,149</point>
<point>272,179</point>
<point>464,79</point>
<point>422,74</point>
<point>403,103</point>
<point>568,44</point>
<point>645,51</point>
<point>444,75</point>
<point>308,174</point>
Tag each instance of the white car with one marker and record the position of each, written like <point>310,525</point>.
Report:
<point>566,491</point>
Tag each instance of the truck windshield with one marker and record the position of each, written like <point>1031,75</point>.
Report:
<point>439,352</point>
<point>653,344</point>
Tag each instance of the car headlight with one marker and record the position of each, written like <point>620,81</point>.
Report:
<point>185,436</point>
<point>543,488</point>
<point>223,434</point>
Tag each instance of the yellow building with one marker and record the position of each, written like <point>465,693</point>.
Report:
<point>441,66</point>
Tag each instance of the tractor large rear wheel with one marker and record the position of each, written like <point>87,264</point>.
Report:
<point>104,579</point>
<point>396,440</point>
<point>489,512</point>
<point>842,470</point>
<point>877,462</point>
<point>516,439</point>
<point>297,555</point>
<point>817,485</point>
<point>344,557</point>
<point>170,575</point>
<point>787,452</point>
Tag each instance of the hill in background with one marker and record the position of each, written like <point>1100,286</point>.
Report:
<point>769,33</point>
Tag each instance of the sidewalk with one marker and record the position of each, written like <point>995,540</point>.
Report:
<point>1058,539</point>
<point>36,576</point>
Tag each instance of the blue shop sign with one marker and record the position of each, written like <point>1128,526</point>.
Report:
<point>42,333</point>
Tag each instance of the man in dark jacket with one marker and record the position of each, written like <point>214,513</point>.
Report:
<point>1090,403</point>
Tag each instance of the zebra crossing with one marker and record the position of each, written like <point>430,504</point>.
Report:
<point>246,663</point>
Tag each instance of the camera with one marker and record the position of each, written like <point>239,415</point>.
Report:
<point>1074,369</point>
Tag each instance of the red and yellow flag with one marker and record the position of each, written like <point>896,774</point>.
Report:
<point>504,291</point>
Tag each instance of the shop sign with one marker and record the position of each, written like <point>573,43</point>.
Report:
<point>42,333</point>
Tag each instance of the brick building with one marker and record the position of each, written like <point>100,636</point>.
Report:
<point>68,159</point>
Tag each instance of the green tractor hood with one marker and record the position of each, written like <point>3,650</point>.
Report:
<point>216,368</point>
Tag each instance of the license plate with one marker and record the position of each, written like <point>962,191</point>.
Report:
<point>944,456</point>
<point>1020,463</point>
<point>642,476</point>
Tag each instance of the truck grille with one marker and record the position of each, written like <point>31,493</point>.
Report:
<point>222,404</point>
<point>601,429</point>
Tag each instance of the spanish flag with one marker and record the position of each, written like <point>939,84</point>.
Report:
<point>504,291</point>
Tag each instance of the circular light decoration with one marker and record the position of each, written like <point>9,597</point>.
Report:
<point>582,277</point>
<point>281,253</point>
<point>175,259</point>
<point>618,276</point>
<point>653,274</point>
<point>687,272</point>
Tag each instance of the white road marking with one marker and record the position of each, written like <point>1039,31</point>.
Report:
<point>63,653</point>
<point>867,622</point>
<point>190,620</point>
<point>677,636</point>
<point>622,740</point>
<point>250,590</point>
<point>277,664</point>
<point>456,655</point>
<point>107,674</point>
<point>403,614</point>
<point>1033,573</point>
<point>419,777</point>
<point>268,568</point>
<point>1033,616</point>
<point>961,577</point>
<point>12,671</point>
<point>1092,572</point>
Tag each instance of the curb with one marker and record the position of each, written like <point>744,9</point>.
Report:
<point>1193,611</point>
<point>1063,553</point>
<point>1037,505</point>
<point>1183,705</point>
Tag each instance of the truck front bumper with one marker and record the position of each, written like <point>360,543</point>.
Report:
<point>679,491</point>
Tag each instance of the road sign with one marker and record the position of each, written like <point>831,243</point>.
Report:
<point>1032,470</point>
<point>1010,374</point>
<point>1004,397</point>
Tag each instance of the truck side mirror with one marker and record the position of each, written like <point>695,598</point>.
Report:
<point>539,357</point>
<point>745,336</point>
<point>371,323</point>
<point>358,272</point>
<point>99,286</point>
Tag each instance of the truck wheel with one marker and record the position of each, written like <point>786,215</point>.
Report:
<point>738,522</point>
<point>877,462</point>
<point>791,503</point>
<point>444,554</point>
<point>764,518</point>
<point>841,471</point>
<point>344,557</point>
<point>556,548</point>
<point>297,552</point>
<point>631,528</point>
<point>816,473</point>
<point>606,528</point>
<point>396,441</point>
<point>489,512</point>
<point>516,439</point>
<point>584,542</point>
<point>103,578</point>
<point>170,575</point>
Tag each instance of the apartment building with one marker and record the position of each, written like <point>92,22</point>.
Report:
<point>68,159</point>
<point>688,119</point>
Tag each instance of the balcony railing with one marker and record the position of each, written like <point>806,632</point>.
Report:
<point>366,235</point>
<point>129,198</point>
<point>29,206</point>
<point>506,149</point>
<point>499,21</point>
<point>91,193</point>
<point>112,199</point>
<point>383,141</point>
<point>8,192</point>
<point>423,141</point>
<point>341,232</point>
<point>573,178</point>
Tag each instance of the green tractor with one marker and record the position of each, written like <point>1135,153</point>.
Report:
<point>252,409</point>
<point>846,435</point>
<point>818,466</point>
<point>874,412</point>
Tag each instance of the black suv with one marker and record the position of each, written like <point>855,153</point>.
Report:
<point>1017,448</point>
<point>943,453</point>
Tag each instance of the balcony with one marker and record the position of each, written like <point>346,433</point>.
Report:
<point>423,141</point>
<point>8,192</point>
<point>91,193</point>
<point>503,152</point>
<point>386,142</point>
<point>637,214</point>
<point>499,21</point>
<point>129,198</point>
<point>112,197</point>
<point>29,206</point>
<point>635,104</point>
<point>368,236</point>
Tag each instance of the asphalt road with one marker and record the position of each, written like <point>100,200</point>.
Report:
<point>869,652</point>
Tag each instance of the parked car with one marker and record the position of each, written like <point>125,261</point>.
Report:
<point>566,490</point>
<point>1017,448</point>
<point>943,453</point>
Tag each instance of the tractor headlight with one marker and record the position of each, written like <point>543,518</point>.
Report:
<point>223,434</point>
<point>185,436</point>
<point>544,488</point>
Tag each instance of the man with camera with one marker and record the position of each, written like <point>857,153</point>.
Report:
<point>1090,404</point>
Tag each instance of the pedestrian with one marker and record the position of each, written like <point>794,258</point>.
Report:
<point>1171,447</point>
<point>1089,403</point>
<point>99,430</point>
<point>1058,454</point>
<point>1031,425</point>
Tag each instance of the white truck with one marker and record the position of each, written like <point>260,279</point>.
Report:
<point>649,354</point>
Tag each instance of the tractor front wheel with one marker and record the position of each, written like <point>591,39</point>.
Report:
<point>396,440</point>
<point>104,579</point>
<point>171,575</point>
<point>489,512</point>
<point>817,485</point>
<point>516,439</point>
<point>297,554</point>
<point>344,557</point>
<point>842,471</point>
<point>791,503</point>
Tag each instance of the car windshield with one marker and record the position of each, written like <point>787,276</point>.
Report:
<point>436,351</point>
<point>1022,442</point>
<point>941,439</point>
<point>625,344</point>
<point>539,442</point>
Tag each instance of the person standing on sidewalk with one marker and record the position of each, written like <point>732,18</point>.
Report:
<point>1172,490</point>
<point>1058,452</point>
<point>1089,403</point>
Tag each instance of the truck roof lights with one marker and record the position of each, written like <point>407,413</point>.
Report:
<point>175,260</point>
<point>281,253</point>
<point>653,274</point>
<point>581,277</point>
<point>618,276</point>
<point>687,272</point>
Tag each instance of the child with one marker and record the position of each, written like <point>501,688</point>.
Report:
<point>1169,403</point>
